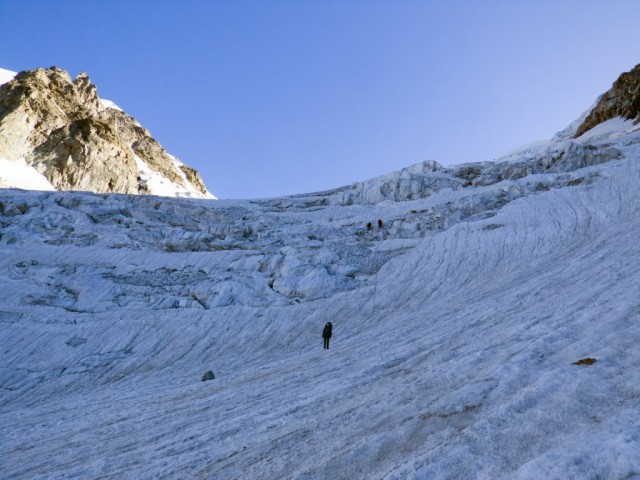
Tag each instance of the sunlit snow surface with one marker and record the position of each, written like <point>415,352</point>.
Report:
<point>17,174</point>
<point>6,75</point>
<point>455,328</point>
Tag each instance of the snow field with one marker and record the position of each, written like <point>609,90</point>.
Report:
<point>452,351</point>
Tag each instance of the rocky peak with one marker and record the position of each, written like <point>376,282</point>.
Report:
<point>87,91</point>
<point>60,127</point>
<point>622,100</point>
<point>46,89</point>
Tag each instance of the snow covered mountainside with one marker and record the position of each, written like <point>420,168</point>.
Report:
<point>56,133</point>
<point>459,325</point>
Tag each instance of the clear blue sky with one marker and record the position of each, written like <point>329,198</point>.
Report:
<point>274,97</point>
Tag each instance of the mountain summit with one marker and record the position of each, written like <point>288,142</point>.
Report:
<point>54,127</point>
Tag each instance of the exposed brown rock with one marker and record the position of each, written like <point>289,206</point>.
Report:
<point>585,361</point>
<point>60,127</point>
<point>194,178</point>
<point>622,100</point>
<point>86,155</point>
<point>157,158</point>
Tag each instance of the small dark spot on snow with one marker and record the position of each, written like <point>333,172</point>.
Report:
<point>76,341</point>
<point>492,226</point>
<point>585,361</point>
<point>575,182</point>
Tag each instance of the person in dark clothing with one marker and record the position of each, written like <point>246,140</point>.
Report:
<point>326,334</point>
<point>380,224</point>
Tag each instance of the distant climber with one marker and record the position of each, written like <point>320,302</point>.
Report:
<point>369,226</point>
<point>326,335</point>
<point>380,224</point>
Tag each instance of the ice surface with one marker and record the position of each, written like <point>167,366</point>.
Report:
<point>17,174</point>
<point>6,75</point>
<point>455,327</point>
<point>158,184</point>
<point>109,104</point>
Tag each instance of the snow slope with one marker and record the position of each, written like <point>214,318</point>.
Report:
<point>6,75</point>
<point>17,174</point>
<point>456,326</point>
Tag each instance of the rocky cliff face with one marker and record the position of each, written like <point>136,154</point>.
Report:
<point>622,100</point>
<point>60,127</point>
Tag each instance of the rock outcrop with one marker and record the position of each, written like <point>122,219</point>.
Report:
<point>62,129</point>
<point>622,100</point>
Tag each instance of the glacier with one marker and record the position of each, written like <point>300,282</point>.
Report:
<point>456,326</point>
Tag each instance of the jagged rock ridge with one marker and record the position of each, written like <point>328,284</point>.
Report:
<point>622,100</point>
<point>60,127</point>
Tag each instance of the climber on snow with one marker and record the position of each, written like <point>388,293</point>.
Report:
<point>326,334</point>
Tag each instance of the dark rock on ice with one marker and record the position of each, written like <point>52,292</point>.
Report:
<point>585,361</point>
<point>76,341</point>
